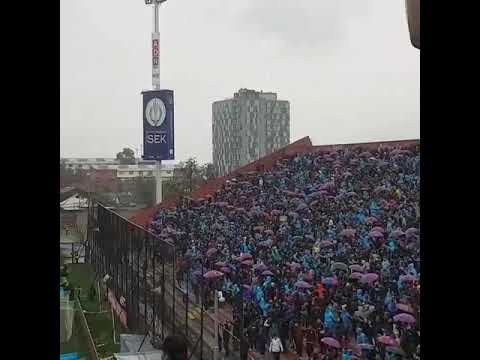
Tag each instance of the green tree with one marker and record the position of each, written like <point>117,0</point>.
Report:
<point>126,157</point>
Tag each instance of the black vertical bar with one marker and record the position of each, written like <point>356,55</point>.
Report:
<point>154,313</point>
<point>72,252</point>
<point>186,303</point>
<point>174,290</point>
<point>163,295</point>
<point>138,281</point>
<point>201,314</point>
<point>145,264</point>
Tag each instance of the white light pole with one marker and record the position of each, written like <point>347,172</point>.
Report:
<point>156,81</point>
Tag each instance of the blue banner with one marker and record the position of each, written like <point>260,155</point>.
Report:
<point>158,133</point>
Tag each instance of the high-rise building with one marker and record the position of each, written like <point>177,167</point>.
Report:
<point>247,127</point>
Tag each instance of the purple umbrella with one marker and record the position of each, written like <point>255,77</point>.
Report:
<point>269,231</point>
<point>267,273</point>
<point>260,267</point>
<point>326,243</point>
<point>404,318</point>
<point>226,270</point>
<point>411,232</point>
<point>356,275</point>
<point>379,229</point>
<point>357,268</point>
<point>365,154</point>
<point>295,266</point>
<point>266,243</point>
<point>408,278</point>
<point>276,212</point>
<point>301,207</point>
<point>387,340</point>
<point>220,264</point>
<point>302,285</point>
<point>331,342</point>
<point>330,281</point>
<point>243,257</point>
<point>375,234</point>
<point>314,202</point>
<point>240,209</point>
<point>247,262</point>
<point>397,233</point>
<point>258,228</point>
<point>213,274</point>
<point>371,220</point>
<point>211,252</point>
<point>348,233</point>
<point>405,308</point>
<point>369,278</point>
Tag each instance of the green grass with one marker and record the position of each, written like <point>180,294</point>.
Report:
<point>100,324</point>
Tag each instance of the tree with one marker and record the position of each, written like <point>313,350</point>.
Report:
<point>126,157</point>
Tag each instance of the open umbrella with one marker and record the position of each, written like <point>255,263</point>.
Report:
<point>369,278</point>
<point>348,233</point>
<point>411,232</point>
<point>243,257</point>
<point>211,252</point>
<point>276,212</point>
<point>331,342</point>
<point>371,220</point>
<point>339,266</point>
<point>366,346</point>
<point>357,268</point>
<point>260,267</point>
<point>220,264</point>
<point>405,308</point>
<point>302,285</point>
<point>247,262</point>
<point>379,229</point>
<point>375,234</point>
<point>404,318</point>
<point>330,281</point>
<point>295,266</point>
<point>397,233</point>
<point>266,243</point>
<point>267,273</point>
<point>268,231</point>
<point>225,270</point>
<point>356,275</point>
<point>408,278</point>
<point>326,243</point>
<point>213,274</point>
<point>258,228</point>
<point>386,340</point>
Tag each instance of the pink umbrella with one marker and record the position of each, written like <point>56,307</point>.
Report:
<point>370,220</point>
<point>258,228</point>
<point>226,270</point>
<point>260,267</point>
<point>356,276</point>
<point>408,278</point>
<point>295,266</point>
<point>211,252</point>
<point>247,262</point>
<point>243,257</point>
<point>213,274</point>
<point>303,284</point>
<point>386,340</point>
<point>369,278</point>
<point>347,233</point>
<point>375,234</point>
<point>326,243</point>
<point>331,342</point>
<point>404,318</point>
<point>397,233</point>
<point>220,264</point>
<point>379,229</point>
<point>267,273</point>
<point>405,308</point>
<point>357,268</point>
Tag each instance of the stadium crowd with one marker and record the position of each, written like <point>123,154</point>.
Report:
<point>321,252</point>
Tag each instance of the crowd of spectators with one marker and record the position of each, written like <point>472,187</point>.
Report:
<point>322,252</point>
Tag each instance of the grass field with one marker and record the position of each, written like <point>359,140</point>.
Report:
<point>98,314</point>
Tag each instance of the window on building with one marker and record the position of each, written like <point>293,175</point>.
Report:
<point>130,172</point>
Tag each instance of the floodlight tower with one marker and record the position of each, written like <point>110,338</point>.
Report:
<point>155,43</point>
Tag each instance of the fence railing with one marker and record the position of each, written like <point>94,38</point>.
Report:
<point>142,276</point>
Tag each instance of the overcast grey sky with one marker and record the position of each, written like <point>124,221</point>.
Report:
<point>346,66</point>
